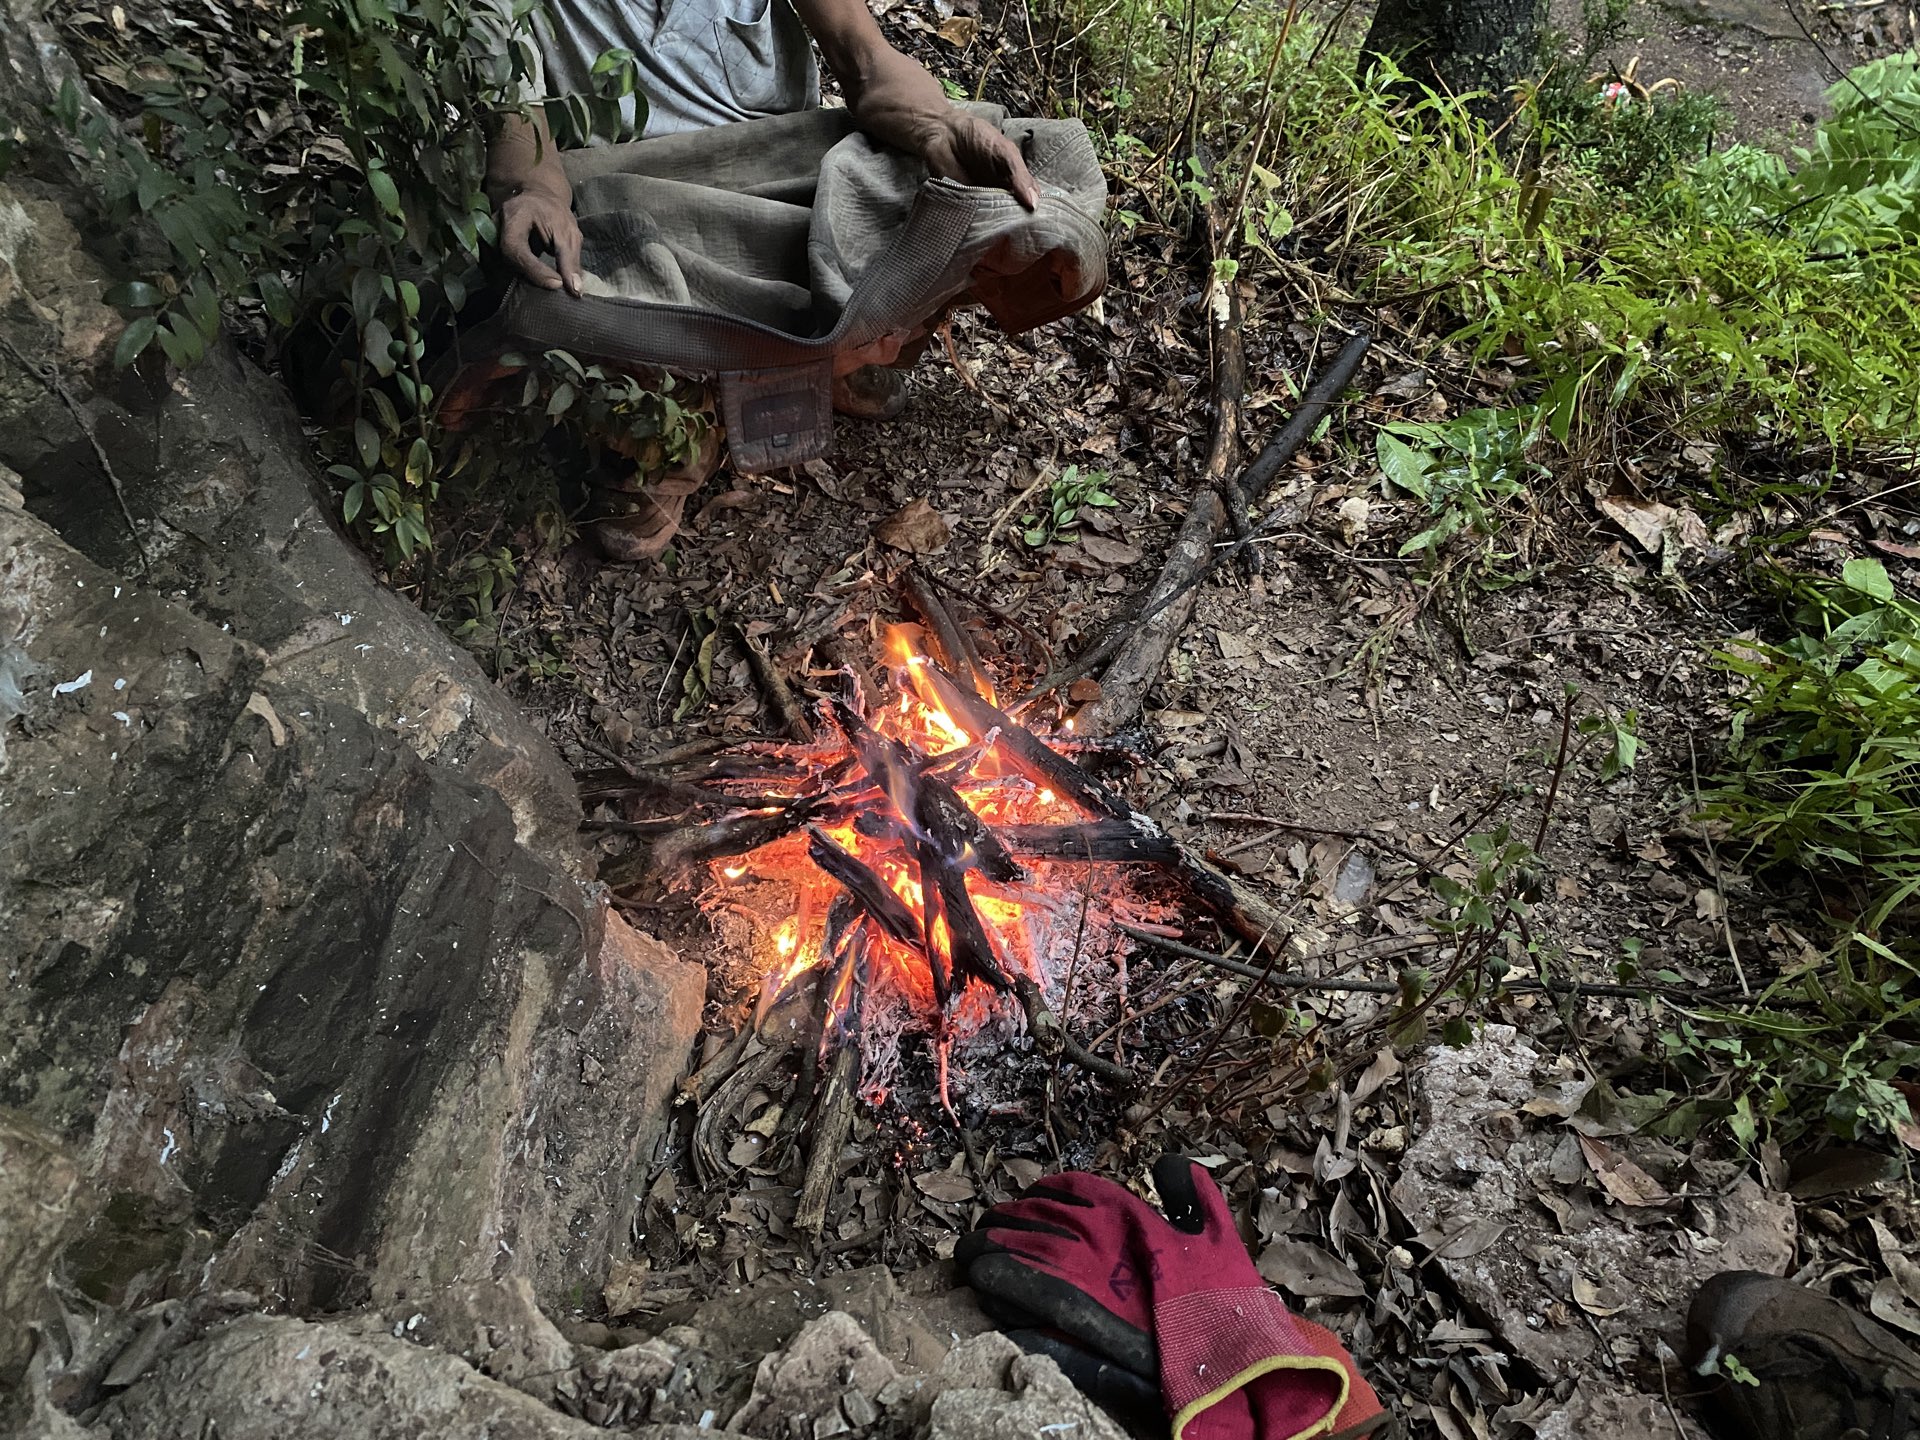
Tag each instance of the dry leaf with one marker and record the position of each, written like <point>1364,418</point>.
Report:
<point>945,1186</point>
<point>625,1287</point>
<point>1890,1307</point>
<point>1024,1173</point>
<point>1385,1066</point>
<point>1477,1236</point>
<point>1559,1101</point>
<point>1084,691</point>
<point>746,1149</point>
<point>1620,1177</point>
<point>960,30</point>
<point>1108,551</point>
<point>1645,521</point>
<point>1306,1270</point>
<point>1905,1273</point>
<point>1593,1299</point>
<point>1232,647</point>
<point>917,528</point>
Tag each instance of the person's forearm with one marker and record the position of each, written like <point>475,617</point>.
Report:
<point>893,98</point>
<point>523,159</point>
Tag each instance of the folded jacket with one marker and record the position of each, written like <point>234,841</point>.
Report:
<point>768,255</point>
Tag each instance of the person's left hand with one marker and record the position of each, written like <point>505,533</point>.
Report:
<point>963,147</point>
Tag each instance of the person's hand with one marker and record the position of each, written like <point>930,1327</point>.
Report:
<point>963,147</point>
<point>532,212</point>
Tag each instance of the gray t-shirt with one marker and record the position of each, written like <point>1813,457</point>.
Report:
<point>701,62</point>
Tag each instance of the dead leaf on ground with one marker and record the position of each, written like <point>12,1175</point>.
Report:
<point>1232,646</point>
<point>945,1186</point>
<point>1559,1101</point>
<point>1110,552</point>
<point>1890,1307</point>
<point>917,528</point>
<point>1620,1177</point>
<point>1385,1066</point>
<point>1645,521</point>
<point>1901,1266</point>
<point>1304,1269</point>
<point>625,1287</point>
<point>1464,1244</point>
<point>1595,1299</point>
<point>1024,1173</point>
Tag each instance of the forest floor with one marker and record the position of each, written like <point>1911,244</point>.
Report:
<point>1364,707</point>
<point>1370,714</point>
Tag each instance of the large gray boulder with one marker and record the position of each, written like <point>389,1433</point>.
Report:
<point>302,974</point>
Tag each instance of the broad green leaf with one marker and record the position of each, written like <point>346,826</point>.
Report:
<point>135,295</point>
<point>419,463</point>
<point>1869,577</point>
<point>1403,465</point>
<point>134,339</point>
<point>385,191</point>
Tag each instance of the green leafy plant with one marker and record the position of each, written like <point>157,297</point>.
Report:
<point>654,420</point>
<point>1466,470</point>
<point>1620,738</point>
<point>1822,780</point>
<point>1068,494</point>
<point>372,240</point>
<point>1824,763</point>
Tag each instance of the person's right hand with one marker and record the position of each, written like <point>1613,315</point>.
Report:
<point>528,213</point>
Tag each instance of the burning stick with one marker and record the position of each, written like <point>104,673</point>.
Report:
<point>869,891</point>
<point>1036,759</point>
<point>943,887</point>
<point>845,995</point>
<point>1251,917</point>
<point>950,644</point>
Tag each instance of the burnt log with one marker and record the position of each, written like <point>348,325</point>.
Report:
<point>1097,841</point>
<point>863,883</point>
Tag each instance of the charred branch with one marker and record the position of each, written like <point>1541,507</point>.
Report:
<point>1101,841</point>
<point>773,683</point>
<point>869,891</point>
<point>944,890</point>
<point>1046,1028</point>
<point>962,837</point>
<point>946,636</point>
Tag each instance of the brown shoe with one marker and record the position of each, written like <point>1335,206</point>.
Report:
<point>873,392</point>
<point>637,519</point>
<point>1787,1363</point>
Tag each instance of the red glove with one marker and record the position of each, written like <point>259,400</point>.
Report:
<point>1177,1294</point>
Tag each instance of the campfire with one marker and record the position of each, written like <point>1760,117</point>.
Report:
<point>934,867</point>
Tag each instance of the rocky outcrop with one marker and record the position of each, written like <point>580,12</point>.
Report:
<point>300,976</point>
<point>267,1377</point>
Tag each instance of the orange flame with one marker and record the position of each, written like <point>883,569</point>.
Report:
<point>995,791</point>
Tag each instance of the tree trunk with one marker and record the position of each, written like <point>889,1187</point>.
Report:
<point>1461,46</point>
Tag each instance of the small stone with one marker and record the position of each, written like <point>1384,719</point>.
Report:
<point>1387,1140</point>
<point>831,1424</point>
<point>859,1410</point>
